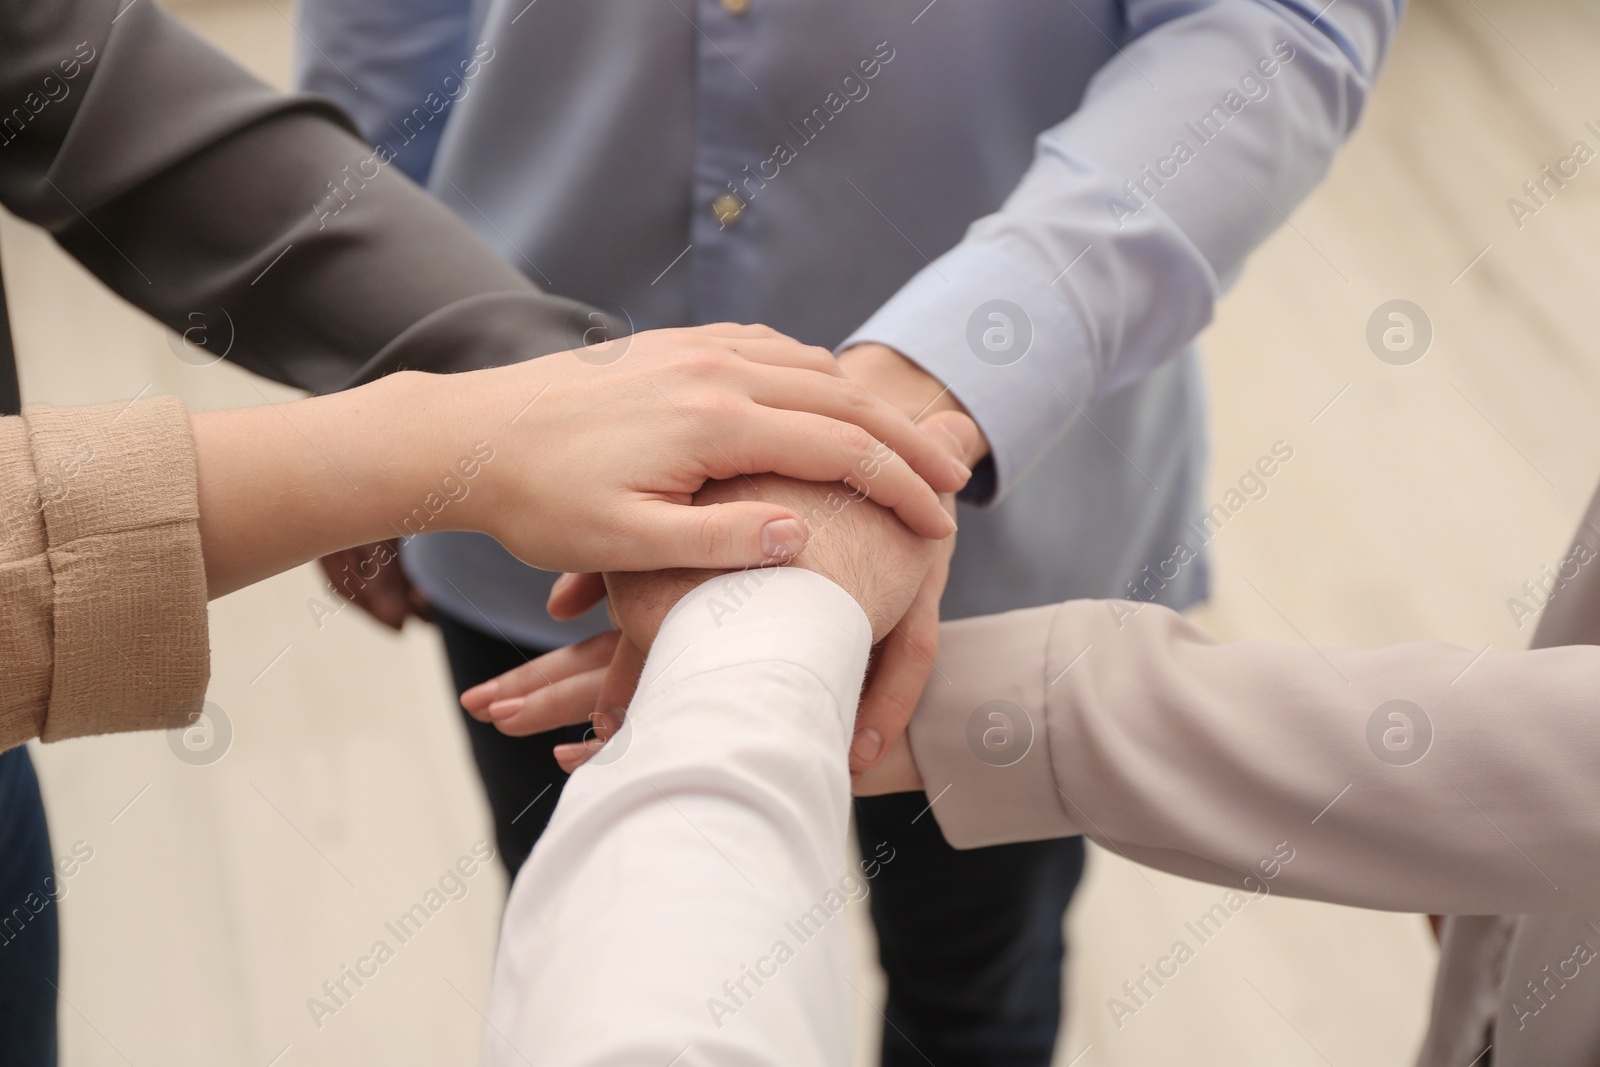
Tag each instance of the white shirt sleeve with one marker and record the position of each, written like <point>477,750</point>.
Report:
<point>685,905</point>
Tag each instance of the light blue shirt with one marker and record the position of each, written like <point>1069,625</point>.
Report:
<point>1038,202</point>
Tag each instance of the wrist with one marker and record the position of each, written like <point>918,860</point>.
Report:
<point>413,428</point>
<point>454,430</point>
<point>281,484</point>
<point>641,600</point>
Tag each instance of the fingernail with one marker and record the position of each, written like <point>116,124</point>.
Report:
<point>566,579</point>
<point>867,745</point>
<point>501,708</point>
<point>949,523</point>
<point>962,469</point>
<point>960,445</point>
<point>782,539</point>
<point>481,692</point>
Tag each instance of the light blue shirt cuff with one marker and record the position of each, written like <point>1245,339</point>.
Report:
<point>1010,346</point>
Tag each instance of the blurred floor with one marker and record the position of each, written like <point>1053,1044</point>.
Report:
<point>1419,499</point>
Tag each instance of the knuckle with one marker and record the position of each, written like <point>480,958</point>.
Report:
<point>712,407</point>
<point>856,400</point>
<point>725,403</point>
<point>854,439</point>
<point>699,362</point>
<point>890,709</point>
<point>804,356</point>
<point>717,534</point>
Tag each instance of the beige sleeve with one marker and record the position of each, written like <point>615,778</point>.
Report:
<point>102,584</point>
<point>1478,794</point>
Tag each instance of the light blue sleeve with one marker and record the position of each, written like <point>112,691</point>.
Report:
<point>380,60</point>
<point>1137,211</point>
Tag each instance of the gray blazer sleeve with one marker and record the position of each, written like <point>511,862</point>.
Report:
<point>1418,777</point>
<point>253,220</point>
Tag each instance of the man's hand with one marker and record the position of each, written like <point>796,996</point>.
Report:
<point>370,577</point>
<point>904,662</point>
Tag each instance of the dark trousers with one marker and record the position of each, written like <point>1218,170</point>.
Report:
<point>29,936</point>
<point>971,941</point>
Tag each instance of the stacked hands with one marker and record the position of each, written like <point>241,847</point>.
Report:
<point>784,461</point>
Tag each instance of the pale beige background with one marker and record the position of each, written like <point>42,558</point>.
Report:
<point>220,898</point>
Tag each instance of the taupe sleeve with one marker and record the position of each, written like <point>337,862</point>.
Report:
<point>251,221</point>
<point>1414,778</point>
<point>1572,612</point>
<point>102,584</point>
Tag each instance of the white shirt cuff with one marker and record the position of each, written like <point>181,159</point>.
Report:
<point>767,614</point>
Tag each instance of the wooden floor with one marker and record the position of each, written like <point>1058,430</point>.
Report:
<point>1419,499</point>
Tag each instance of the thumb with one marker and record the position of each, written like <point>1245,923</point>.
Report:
<point>955,432</point>
<point>742,533</point>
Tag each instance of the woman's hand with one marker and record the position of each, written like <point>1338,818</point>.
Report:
<point>556,689</point>
<point>580,461</point>
<point>592,680</point>
<point>588,466</point>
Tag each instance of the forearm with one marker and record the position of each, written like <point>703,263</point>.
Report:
<point>283,484</point>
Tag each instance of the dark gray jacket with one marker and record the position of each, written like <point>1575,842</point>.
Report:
<point>180,180</point>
